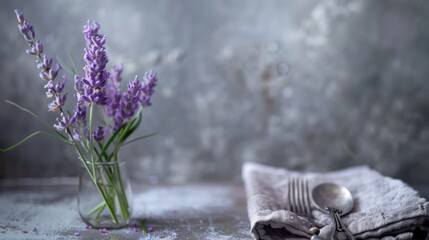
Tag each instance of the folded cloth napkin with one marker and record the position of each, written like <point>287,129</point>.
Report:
<point>384,208</point>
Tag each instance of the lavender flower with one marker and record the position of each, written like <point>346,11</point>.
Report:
<point>54,89</point>
<point>36,48</point>
<point>148,88</point>
<point>78,84</point>
<point>113,91</point>
<point>99,134</point>
<point>44,63</point>
<point>27,30</point>
<point>130,101</point>
<point>64,122</point>
<point>116,74</point>
<point>58,103</point>
<point>80,114</point>
<point>96,59</point>
<point>19,16</point>
<point>123,107</point>
<point>126,105</point>
<point>47,72</point>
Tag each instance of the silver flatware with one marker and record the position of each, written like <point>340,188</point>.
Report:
<point>298,197</point>
<point>337,201</point>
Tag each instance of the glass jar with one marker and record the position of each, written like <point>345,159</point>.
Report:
<point>105,196</point>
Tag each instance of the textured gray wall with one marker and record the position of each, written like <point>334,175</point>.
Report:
<point>312,85</point>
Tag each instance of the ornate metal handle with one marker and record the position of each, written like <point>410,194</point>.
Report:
<point>339,226</point>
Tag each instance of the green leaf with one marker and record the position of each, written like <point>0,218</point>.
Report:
<point>101,205</point>
<point>130,128</point>
<point>64,66</point>
<point>73,63</point>
<point>139,138</point>
<point>111,139</point>
<point>28,138</point>
<point>62,136</point>
<point>24,109</point>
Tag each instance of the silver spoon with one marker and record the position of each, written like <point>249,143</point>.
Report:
<point>335,200</point>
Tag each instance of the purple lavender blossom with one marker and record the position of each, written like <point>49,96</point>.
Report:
<point>47,71</point>
<point>36,48</point>
<point>130,101</point>
<point>27,31</point>
<point>54,89</point>
<point>113,91</point>
<point>45,63</point>
<point>77,84</point>
<point>80,114</point>
<point>58,103</point>
<point>19,16</point>
<point>96,59</point>
<point>123,107</point>
<point>116,73</point>
<point>149,83</point>
<point>64,122</point>
<point>99,134</point>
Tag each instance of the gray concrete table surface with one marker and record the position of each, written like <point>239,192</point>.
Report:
<point>192,211</point>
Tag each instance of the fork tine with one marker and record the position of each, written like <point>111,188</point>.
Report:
<point>292,195</point>
<point>297,205</point>
<point>307,198</point>
<point>301,196</point>
<point>288,203</point>
<point>297,201</point>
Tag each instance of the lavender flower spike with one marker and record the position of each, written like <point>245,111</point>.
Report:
<point>64,122</point>
<point>99,134</point>
<point>148,88</point>
<point>96,59</point>
<point>130,99</point>
<point>113,90</point>
<point>47,71</point>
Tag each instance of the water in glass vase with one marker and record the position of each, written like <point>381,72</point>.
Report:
<point>105,198</point>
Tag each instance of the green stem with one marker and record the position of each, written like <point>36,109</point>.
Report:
<point>94,180</point>
<point>123,197</point>
<point>97,216</point>
<point>101,205</point>
<point>91,142</point>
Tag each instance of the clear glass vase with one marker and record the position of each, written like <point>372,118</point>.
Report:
<point>105,196</point>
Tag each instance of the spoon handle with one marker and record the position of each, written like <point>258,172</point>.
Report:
<point>339,226</point>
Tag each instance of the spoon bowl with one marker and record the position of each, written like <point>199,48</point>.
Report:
<point>333,196</point>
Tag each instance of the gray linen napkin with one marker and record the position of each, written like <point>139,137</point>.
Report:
<point>384,208</point>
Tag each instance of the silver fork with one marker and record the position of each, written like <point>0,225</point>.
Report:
<point>298,201</point>
<point>298,197</point>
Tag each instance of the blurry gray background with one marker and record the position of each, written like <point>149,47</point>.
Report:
<point>308,85</point>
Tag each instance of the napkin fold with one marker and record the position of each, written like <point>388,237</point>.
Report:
<point>384,208</point>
